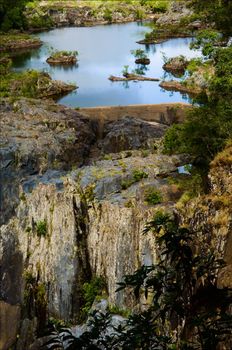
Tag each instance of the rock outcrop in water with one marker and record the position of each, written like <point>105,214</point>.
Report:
<point>132,77</point>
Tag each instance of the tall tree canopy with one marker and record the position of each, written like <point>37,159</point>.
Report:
<point>11,14</point>
<point>217,11</point>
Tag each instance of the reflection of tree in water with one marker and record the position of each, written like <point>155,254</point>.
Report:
<point>141,69</point>
<point>67,67</point>
<point>150,48</point>
<point>125,84</point>
<point>22,56</point>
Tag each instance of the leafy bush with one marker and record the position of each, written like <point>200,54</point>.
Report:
<point>137,175</point>
<point>138,53</point>
<point>11,14</point>
<point>153,196</point>
<point>108,15</point>
<point>158,6</point>
<point>125,70</point>
<point>207,128</point>
<point>140,14</point>
<point>206,40</point>
<point>90,291</point>
<point>41,228</point>
<point>58,54</point>
<point>5,65</point>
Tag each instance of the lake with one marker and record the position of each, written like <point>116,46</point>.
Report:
<point>103,51</point>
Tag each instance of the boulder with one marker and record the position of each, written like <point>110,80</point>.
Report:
<point>129,133</point>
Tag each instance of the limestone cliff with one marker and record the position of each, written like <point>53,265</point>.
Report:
<point>70,213</point>
<point>61,226</point>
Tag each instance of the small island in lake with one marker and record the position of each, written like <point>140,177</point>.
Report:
<point>63,57</point>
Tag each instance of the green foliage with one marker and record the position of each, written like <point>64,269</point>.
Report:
<point>138,53</point>
<point>90,291</point>
<point>40,21</point>
<point>159,6</point>
<point>152,196</point>
<point>173,140</point>
<point>137,175</point>
<point>150,36</point>
<point>125,71</point>
<point>221,84</point>
<point>41,228</point>
<point>115,310</point>
<point>140,14</point>
<point>5,65</point>
<point>191,185</point>
<point>206,40</point>
<point>218,12</point>
<point>194,65</point>
<point>180,282</point>
<point>11,14</point>
<point>56,322</point>
<point>185,299</point>
<point>27,84</point>
<point>108,15</point>
<point>207,128</point>
<point>58,54</point>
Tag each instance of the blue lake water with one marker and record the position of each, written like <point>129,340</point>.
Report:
<point>104,51</point>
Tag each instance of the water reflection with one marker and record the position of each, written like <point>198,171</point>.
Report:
<point>104,51</point>
<point>66,67</point>
<point>141,69</point>
<point>125,84</point>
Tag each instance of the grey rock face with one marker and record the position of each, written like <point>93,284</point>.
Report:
<point>36,137</point>
<point>61,227</point>
<point>130,133</point>
<point>177,11</point>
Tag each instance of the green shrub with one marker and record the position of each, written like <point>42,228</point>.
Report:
<point>90,290</point>
<point>139,175</point>
<point>116,310</point>
<point>108,15</point>
<point>194,65</point>
<point>41,228</point>
<point>125,70</point>
<point>58,54</point>
<point>5,65</point>
<point>38,21</point>
<point>153,197</point>
<point>140,14</point>
<point>127,183</point>
<point>139,53</point>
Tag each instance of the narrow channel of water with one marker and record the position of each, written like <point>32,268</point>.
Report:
<point>104,51</point>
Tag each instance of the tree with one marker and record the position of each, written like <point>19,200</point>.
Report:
<point>216,11</point>
<point>11,14</point>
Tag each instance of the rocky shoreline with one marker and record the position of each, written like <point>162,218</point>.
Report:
<point>85,15</point>
<point>10,42</point>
